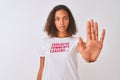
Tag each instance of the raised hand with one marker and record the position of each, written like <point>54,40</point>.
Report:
<point>91,49</point>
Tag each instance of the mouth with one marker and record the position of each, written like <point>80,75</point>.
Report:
<point>61,27</point>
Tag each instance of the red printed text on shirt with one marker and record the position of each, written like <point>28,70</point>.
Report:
<point>59,47</point>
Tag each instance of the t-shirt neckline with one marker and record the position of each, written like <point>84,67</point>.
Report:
<point>63,37</point>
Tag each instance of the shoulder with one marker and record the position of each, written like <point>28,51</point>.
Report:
<point>46,39</point>
<point>74,38</point>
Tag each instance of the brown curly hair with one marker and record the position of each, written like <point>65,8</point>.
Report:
<point>50,25</point>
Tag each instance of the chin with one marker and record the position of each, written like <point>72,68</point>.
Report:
<point>62,31</point>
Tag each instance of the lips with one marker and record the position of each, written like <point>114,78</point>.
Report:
<point>62,27</point>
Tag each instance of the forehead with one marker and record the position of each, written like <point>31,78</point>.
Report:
<point>61,13</point>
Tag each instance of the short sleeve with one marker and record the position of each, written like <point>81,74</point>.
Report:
<point>42,49</point>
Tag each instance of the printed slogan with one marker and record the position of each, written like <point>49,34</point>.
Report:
<point>59,47</point>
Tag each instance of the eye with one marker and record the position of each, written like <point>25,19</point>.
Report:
<point>65,18</point>
<point>57,19</point>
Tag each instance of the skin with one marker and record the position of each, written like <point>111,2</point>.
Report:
<point>89,50</point>
<point>62,22</point>
<point>40,72</point>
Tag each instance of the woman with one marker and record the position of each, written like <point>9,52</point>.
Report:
<point>58,56</point>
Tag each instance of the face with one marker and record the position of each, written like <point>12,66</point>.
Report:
<point>61,21</point>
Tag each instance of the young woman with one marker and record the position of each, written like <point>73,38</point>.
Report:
<point>58,56</point>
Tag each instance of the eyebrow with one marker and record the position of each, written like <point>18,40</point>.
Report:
<point>63,16</point>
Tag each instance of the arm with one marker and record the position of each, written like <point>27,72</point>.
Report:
<point>40,72</point>
<point>91,49</point>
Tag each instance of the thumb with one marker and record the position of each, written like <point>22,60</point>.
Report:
<point>80,41</point>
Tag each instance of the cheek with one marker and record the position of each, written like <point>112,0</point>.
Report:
<point>67,24</point>
<point>56,24</point>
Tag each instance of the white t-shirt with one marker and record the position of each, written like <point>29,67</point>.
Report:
<point>60,58</point>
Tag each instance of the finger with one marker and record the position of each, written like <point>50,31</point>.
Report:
<point>92,30</point>
<point>102,36</point>
<point>96,31</point>
<point>88,33</point>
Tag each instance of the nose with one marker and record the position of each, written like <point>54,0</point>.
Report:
<point>61,22</point>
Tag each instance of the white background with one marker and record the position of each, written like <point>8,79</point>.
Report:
<point>21,30</point>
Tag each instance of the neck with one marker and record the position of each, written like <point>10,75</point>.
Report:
<point>63,35</point>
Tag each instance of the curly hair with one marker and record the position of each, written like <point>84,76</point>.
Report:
<point>50,27</point>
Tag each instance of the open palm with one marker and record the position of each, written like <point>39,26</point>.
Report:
<point>91,49</point>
